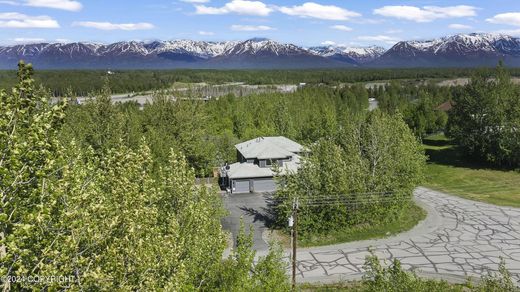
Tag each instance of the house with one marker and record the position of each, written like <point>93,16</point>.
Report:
<point>255,171</point>
<point>446,106</point>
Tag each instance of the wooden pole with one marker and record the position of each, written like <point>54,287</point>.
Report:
<point>295,240</point>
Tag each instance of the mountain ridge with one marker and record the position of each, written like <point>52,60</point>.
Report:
<point>477,49</point>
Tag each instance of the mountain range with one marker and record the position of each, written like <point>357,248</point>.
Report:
<point>462,50</point>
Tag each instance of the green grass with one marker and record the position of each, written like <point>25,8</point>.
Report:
<point>449,171</point>
<point>413,215</point>
<point>408,220</point>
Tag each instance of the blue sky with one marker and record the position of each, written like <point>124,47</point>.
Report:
<point>307,23</point>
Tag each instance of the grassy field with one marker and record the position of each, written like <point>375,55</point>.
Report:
<point>410,218</point>
<point>450,172</point>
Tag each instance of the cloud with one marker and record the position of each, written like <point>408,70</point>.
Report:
<point>69,5</point>
<point>510,18</point>
<point>195,1</point>
<point>243,7</point>
<point>460,26</point>
<point>426,13</point>
<point>114,26</point>
<point>511,32</point>
<point>315,10</point>
<point>341,27</point>
<point>328,43</point>
<point>63,41</point>
<point>206,32</point>
<point>394,31</point>
<point>28,40</point>
<point>238,27</point>
<point>380,38</point>
<point>18,20</point>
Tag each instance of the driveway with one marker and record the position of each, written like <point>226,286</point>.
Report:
<point>252,208</point>
<point>459,238</point>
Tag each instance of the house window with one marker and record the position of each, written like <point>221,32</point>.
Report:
<point>268,162</point>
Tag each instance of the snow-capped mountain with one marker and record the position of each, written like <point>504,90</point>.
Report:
<point>476,49</point>
<point>356,55</point>
<point>253,53</point>
<point>457,50</point>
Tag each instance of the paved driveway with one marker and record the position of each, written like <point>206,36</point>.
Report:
<point>459,238</point>
<point>252,208</point>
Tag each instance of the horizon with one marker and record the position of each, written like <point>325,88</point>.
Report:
<point>149,41</point>
<point>379,23</point>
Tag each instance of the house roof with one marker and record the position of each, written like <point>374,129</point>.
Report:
<point>446,106</point>
<point>269,147</point>
<point>247,170</point>
<point>250,170</point>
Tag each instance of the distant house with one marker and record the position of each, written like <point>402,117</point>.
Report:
<point>446,106</point>
<point>254,170</point>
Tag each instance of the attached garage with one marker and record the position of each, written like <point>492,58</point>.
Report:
<point>241,186</point>
<point>261,185</point>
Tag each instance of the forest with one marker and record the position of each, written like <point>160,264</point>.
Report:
<point>87,189</point>
<point>84,82</point>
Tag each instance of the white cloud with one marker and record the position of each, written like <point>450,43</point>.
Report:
<point>69,5</point>
<point>195,1</point>
<point>511,32</point>
<point>243,7</point>
<point>238,27</point>
<point>341,27</point>
<point>114,26</point>
<point>460,26</point>
<point>18,20</point>
<point>328,43</point>
<point>315,10</point>
<point>510,18</point>
<point>28,40</point>
<point>380,38</point>
<point>426,13</point>
<point>63,41</point>
<point>206,32</point>
<point>394,31</point>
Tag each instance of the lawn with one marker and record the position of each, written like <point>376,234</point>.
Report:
<point>409,219</point>
<point>449,171</point>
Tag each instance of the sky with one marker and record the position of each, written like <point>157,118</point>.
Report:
<point>304,23</point>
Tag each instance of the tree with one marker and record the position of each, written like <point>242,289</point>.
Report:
<point>28,163</point>
<point>374,160</point>
<point>485,119</point>
<point>240,273</point>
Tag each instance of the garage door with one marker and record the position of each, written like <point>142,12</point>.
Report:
<point>241,186</point>
<point>264,185</point>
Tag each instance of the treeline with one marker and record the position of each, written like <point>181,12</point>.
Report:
<point>83,82</point>
<point>206,132</point>
<point>419,105</point>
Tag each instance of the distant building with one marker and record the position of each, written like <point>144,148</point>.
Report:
<point>446,106</point>
<point>254,170</point>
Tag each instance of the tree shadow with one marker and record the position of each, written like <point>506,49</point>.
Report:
<point>266,214</point>
<point>262,215</point>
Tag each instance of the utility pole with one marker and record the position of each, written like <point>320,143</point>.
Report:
<point>294,223</point>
